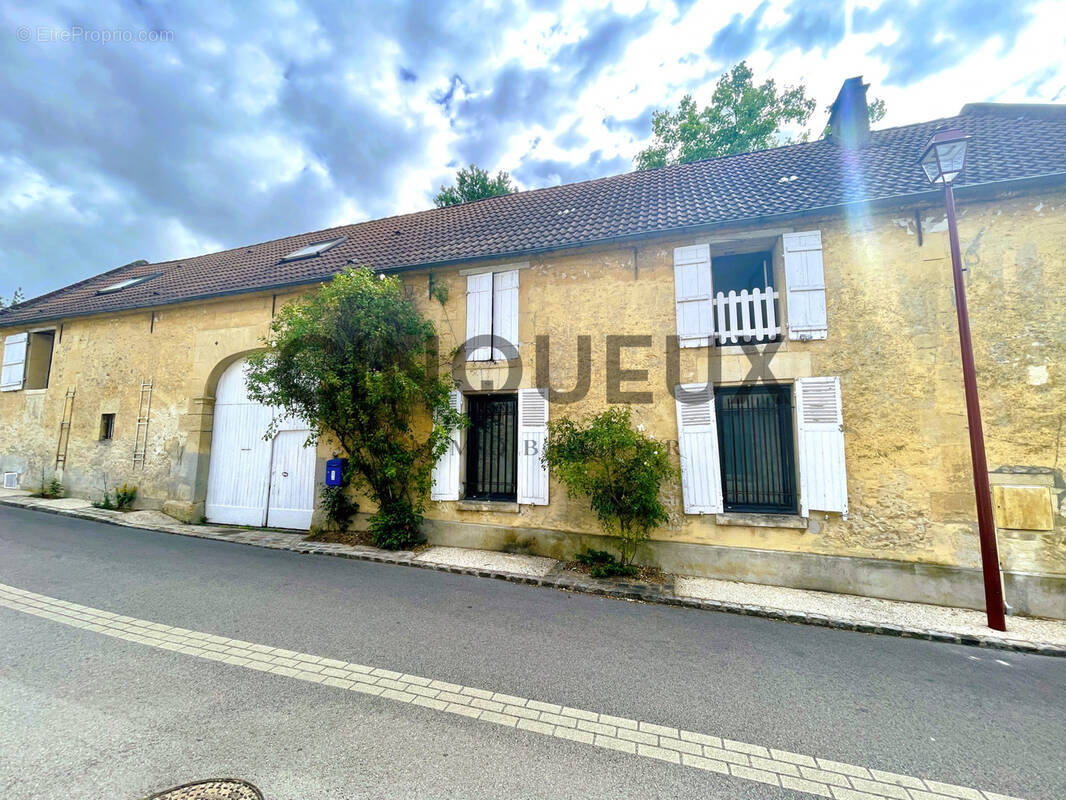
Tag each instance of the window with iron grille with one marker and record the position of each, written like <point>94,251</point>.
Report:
<point>491,447</point>
<point>756,449</point>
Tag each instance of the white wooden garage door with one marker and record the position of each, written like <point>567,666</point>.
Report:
<point>253,481</point>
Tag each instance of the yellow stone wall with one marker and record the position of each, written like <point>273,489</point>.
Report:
<point>181,349</point>
<point>892,339</point>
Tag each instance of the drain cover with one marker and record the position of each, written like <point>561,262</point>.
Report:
<point>214,789</point>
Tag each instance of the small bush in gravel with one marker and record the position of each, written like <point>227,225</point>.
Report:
<point>396,527</point>
<point>51,490</point>
<point>619,469</point>
<point>602,564</point>
<point>124,497</point>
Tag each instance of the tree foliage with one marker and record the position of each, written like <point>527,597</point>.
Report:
<point>338,506</point>
<point>876,109</point>
<point>356,359</point>
<point>474,183</point>
<point>619,470</point>
<point>16,297</point>
<point>742,117</point>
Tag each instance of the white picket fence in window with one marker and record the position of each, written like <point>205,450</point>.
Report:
<point>745,317</point>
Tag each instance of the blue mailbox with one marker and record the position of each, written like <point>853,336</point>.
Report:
<point>335,471</point>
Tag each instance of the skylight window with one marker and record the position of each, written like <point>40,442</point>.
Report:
<point>314,249</point>
<point>118,287</point>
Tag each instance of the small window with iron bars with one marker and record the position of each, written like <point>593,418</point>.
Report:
<point>755,447</point>
<point>491,447</point>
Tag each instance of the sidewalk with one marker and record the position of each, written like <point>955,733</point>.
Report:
<point>848,612</point>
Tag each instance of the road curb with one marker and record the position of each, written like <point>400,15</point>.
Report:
<point>632,591</point>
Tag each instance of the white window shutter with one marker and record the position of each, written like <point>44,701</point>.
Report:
<point>532,436</point>
<point>505,310</point>
<point>446,470</point>
<point>697,439</point>
<point>805,285</point>
<point>820,435</point>
<point>478,316</point>
<point>14,369</point>
<point>692,292</point>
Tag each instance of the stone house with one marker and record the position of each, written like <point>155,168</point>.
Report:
<point>809,286</point>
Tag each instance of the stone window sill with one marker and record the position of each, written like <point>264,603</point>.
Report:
<point>761,348</point>
<point>755,347</point>
<point>762,520</point>
<point>488,505</point>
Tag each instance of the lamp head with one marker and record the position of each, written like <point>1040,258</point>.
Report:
<point>945,156</point>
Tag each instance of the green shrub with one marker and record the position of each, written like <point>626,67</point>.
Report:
<point>396,527</point>
<point>124,497</point>
<point>618,469</point>
<point>105,502</point>
<point>52,489</point>
<point>356,359</point>
<point>338,506</point>
<point>602,564</point>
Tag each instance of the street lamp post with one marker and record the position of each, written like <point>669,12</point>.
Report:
<point>942,161</point>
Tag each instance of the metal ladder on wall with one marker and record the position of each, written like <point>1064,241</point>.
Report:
<point>64,430</point>
<point>144,407</point>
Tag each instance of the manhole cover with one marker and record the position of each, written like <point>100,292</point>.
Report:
<point>215,789</point>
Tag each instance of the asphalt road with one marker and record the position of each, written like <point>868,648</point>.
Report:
<point>88,716</point>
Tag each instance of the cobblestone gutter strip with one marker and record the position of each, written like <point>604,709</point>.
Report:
<point>557,579</point>
<point>746,761</point>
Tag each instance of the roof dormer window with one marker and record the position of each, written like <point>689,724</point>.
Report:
<point>313,249</point>
<point>118,287</point>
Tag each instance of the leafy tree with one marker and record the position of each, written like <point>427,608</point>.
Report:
<point>617,468</point>
<point>474,183</point>
<point>16,298</point>
<point>741,117</point>
<point>876,109</point>
<point>356,359</point>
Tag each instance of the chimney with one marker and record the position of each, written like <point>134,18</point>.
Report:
<point>849,117</point>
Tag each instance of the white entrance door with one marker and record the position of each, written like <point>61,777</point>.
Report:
<point>244,466</point>
<point>292,481</point>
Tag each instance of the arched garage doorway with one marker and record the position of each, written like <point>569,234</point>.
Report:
<point>252,481</point>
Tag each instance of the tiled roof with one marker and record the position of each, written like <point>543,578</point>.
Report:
<point>1009,142</point>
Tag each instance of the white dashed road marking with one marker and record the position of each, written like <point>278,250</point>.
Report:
<point>751,762</point>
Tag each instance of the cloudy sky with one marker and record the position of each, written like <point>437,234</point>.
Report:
<point>234,125</point>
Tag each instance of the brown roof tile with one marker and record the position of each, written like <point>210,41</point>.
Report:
<point>1009,142</point>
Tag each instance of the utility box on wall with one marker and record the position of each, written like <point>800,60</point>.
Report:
<point>1023,508</point>
<point>335,471</point>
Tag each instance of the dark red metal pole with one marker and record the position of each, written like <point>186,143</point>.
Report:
<point>986,525</point>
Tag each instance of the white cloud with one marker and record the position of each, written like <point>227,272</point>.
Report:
<point>248,126</point>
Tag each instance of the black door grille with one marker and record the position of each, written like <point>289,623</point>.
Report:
<point>491,458</point>
<point>755,448</point>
